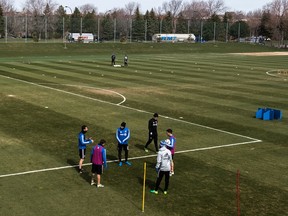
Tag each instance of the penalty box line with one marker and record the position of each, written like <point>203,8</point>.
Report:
<point>133,158</point>
<point>131,108</point>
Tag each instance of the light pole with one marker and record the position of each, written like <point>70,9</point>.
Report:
<point>160,26</point>
<point>64,22</point>
<point>115,30</point>
<point>69,9</point>
<point>201,25</point>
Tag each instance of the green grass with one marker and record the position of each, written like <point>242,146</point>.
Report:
<point>206,95</point>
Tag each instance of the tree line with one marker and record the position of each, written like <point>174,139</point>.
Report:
<point>208,19</point>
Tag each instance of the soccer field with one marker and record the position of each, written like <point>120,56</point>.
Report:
<point>207,95</point>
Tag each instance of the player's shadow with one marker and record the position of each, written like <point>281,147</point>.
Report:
<point>73,163</point>
<point>139,146</point>
<point>112,158</point>
<point>150,148</point>
<point>86,170</point>
<point>149,183</point>
<point>151,164</point>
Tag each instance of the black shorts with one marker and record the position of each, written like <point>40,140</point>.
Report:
<point>123,146</point>
<point>153,136</point>
<point>82,153</point>
<point>97,169</point>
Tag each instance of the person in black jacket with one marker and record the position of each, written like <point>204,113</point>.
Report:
<point>125,61</point>
<point>113,59</point>
<point>153,134</point>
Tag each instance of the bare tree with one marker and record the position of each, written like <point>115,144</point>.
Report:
<point>215,6</point>
<point>131,7</point>
<point>254,21</point>
<point>38,11</point>
<point>7,6</point>
<point>279,11</point>
<point>174,7</point>
<point>34,7</point>
<point>88,8</point>
<point>195,10</point>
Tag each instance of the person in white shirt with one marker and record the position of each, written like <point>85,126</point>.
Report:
<point>163,166</point>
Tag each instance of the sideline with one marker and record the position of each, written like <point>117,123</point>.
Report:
<point>133,158</point>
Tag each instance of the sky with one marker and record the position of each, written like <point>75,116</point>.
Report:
<point>103,6</point>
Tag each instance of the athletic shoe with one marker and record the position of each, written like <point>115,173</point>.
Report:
<point>128,163</point>
<point>93,183</point>
<point>154,191</point>
<point>146,150</point>
<point>81,170</point>
<point>165,192</point>
<point>100,186</point>
<point>120,163</point>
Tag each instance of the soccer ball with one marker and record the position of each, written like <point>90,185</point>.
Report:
<point>165,142</point>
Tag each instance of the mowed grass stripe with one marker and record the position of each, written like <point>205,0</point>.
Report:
<point>54,74</point>
<point>225,60</point>
<point>84,66</point>
<point>78,79</point>
<point>117,77</point>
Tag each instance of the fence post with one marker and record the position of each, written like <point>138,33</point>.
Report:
<point>114,30</point>
<point>6,29</point>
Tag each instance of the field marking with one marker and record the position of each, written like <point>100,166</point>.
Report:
<point>133,158</point>
<point>274,75</point>
<point>123,97</point>
<point>131,108</point>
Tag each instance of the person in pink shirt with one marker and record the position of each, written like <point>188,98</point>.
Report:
<point>98,160</point>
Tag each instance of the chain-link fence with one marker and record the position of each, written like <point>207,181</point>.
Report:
<point>106,28</point>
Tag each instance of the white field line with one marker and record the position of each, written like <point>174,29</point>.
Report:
<point>268,73</point>
<point>124,98</point>
<point>131,108</point>
<point>274,75</point>
<point>253,140</point>
<point>133,158</point>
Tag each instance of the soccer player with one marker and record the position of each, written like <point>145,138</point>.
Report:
<point>163,166</point>
<point>125,60</point>
<point>171,147</point>
<point>82,142</point>
<point>153,134</point>
<point>122,136</point>
<point>113,59</point>
<point>98,159</point>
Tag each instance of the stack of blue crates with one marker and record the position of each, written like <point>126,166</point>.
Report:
<point>268,114</point>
